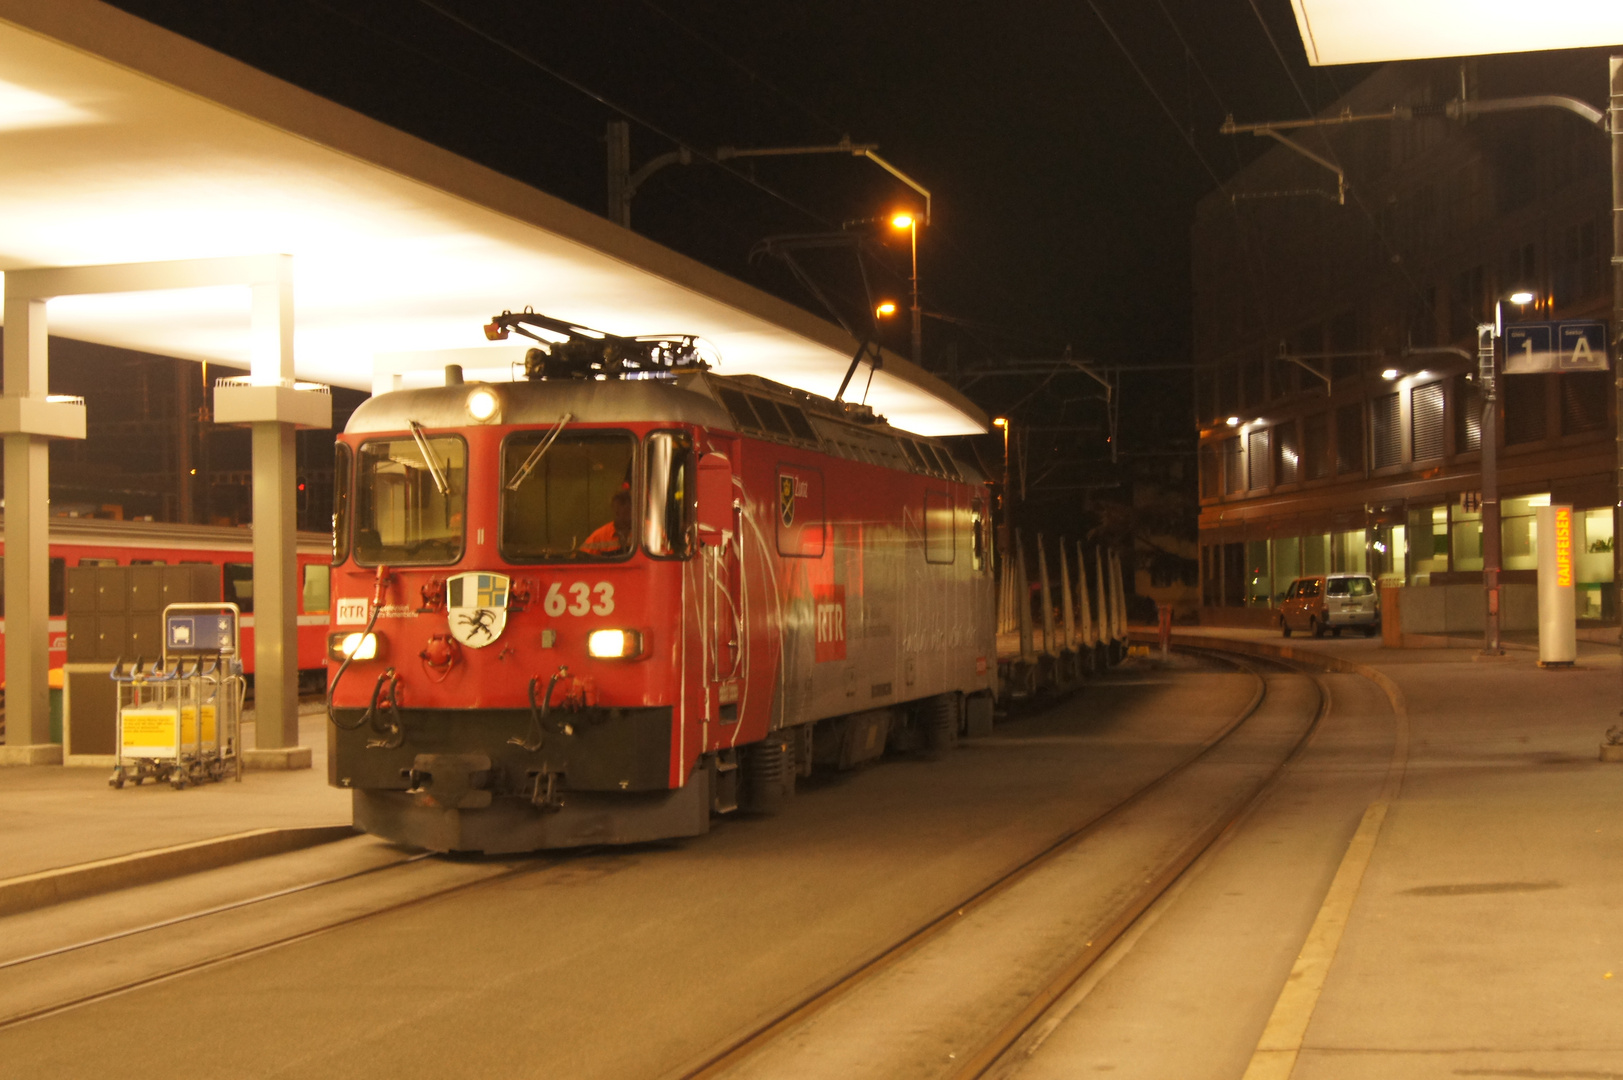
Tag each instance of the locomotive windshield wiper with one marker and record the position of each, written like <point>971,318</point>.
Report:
<point>434,470</point>
<point>538,453</point>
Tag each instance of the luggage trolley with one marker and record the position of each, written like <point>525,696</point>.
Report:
<point>179,719</point>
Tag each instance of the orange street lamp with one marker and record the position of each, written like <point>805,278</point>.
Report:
<point>885,309</point>
<point>904,219</point>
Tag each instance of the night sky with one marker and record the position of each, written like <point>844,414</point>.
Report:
<point>1065,145</point>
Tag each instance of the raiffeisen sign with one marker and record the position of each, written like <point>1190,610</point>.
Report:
<point>1373,31</point>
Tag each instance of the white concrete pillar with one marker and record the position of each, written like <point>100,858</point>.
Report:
<point>276,651</point>
<point>27,573</point>
<point>275,467</point>
<point>28,712</point>
<point>271,348</point>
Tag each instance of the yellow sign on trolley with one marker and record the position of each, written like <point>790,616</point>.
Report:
<point>151,732</point>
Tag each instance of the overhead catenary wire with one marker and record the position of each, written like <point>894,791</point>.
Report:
<point>622,110</point>
<point>613,106</point>
<point>1200,69</point>
<point>1154,93</point>
<point>1394,257</point>
<point>744,69</point>
<point>528,59</point>
<point>440,62</point>
<point>1259,294</point>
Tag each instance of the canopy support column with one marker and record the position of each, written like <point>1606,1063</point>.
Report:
<point>28,420</point>
<point>274,407</point>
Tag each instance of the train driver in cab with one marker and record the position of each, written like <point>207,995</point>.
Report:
<point>614,536</point>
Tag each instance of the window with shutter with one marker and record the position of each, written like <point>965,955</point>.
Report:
<point>1257,458</point>
<point>1467,415</point>
<point>1350,439</point>
<point>1525,412</point>
<point>1287,454</point>
<point>1583,401</point>
<point>1316,446</point>
<point>1426,421</point>
<point>1386,431</point>
<point>1233,468</point>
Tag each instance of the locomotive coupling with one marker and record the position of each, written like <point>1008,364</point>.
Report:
<point>450,781</point>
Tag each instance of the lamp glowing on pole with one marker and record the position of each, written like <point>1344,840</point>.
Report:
<point>905,220</point>
<point>1003,422</point>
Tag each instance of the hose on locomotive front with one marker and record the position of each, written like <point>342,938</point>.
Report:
<point>539,713</point>
<point>332,687</point>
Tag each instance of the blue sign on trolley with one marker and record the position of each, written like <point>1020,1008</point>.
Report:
<point>200,632</point>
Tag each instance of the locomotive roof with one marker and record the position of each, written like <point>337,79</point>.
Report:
<point>695,397</point>
<point>542,402</point>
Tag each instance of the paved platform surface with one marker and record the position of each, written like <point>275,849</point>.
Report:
<point>53,816</point>
<point>1484,938</point>
<point>1485,935</point>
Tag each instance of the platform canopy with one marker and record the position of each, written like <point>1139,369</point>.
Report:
<point>121,142</point>
<point>1375,31</point>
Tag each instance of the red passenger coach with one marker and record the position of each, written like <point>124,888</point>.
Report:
<point>102,542</point>
<point>600,604</point>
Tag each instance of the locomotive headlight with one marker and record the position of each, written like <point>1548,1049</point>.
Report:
<point>482,405</point>
<point>614,644</point>
<point>354,644</point>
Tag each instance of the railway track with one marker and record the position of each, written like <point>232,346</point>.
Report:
<point>744,1054</point>
<point>130,958</point>
<point>348,899</point>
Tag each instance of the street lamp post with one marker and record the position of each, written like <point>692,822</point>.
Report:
<point>1487,376</point>
<point>907,221</point>
<point>1487,352</point>
<point>1616,72</point>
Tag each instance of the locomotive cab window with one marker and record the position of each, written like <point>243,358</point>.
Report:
<point>668,521</point>
<point>797,422</point>
<point>570,501</point>
<point>739,406</point>
<point>409,509</point>
<point>771,419</point>
<point>340,502</point>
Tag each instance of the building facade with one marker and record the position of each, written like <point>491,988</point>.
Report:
<point>1339,408</point>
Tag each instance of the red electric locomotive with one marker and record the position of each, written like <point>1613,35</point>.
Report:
<point>600,604</point>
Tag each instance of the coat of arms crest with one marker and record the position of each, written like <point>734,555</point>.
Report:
<point>476,604</point>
